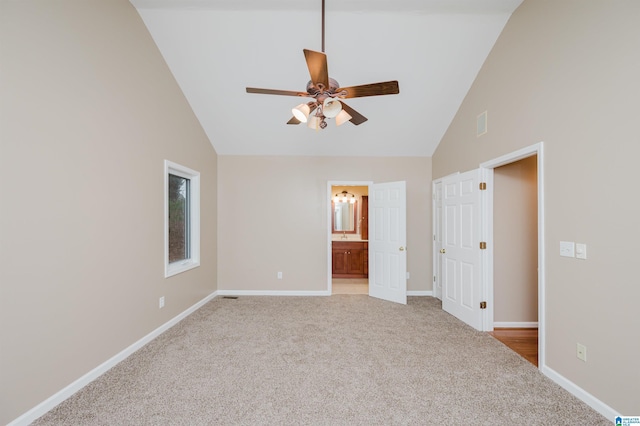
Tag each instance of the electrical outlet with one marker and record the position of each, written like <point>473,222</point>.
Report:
<point>279,275</point>
<point>581,352</point>
<point>161,302</point>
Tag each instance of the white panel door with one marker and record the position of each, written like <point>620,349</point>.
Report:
<point>437,240</point>
<point>461,261</point>
<point>388,241</point>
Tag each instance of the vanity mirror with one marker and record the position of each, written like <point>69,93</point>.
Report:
<point>344,217</point>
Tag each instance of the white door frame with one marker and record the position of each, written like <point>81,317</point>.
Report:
<point>486,170</point>
<point>331,183</point>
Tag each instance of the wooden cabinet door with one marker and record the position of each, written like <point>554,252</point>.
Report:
<point>339,261</point>
<point>356,261</point>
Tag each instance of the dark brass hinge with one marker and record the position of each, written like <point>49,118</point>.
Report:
<point>483,186</point>
<point>483,305</point>
<point>483,245</point>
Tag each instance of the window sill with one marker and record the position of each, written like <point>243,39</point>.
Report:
<point>179,267</point>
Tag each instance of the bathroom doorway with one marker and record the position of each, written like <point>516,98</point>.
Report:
<point>348,233</point>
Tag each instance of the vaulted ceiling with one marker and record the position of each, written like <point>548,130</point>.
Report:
<point>216,48</point>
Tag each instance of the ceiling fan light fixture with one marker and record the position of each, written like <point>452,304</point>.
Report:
<point>342,117</point>
<point>301,112</point>
<point>327,93</point>
<point>331,107</point>
<point>314,122</point>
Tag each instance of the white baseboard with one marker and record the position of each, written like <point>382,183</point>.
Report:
<point>593,402</point>
<point>296,293</point>
<point>272,293</point>
<point>57,398</point>
<point>420,293</point>
<point>512,324</point>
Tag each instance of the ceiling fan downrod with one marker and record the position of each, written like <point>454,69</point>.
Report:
<point>322,26</point>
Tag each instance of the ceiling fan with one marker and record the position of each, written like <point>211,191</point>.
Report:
<point>327,94</point>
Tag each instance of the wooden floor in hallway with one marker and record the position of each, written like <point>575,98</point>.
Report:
<point>523,341</point>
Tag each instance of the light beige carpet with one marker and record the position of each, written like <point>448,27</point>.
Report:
<point>339,360</point>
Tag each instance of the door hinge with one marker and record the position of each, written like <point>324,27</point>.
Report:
<point>483,305</point>
<point>434,278</point>
<point>483,186</point>
<point>483,245</point>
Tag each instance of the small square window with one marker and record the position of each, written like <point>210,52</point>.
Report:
<point>182,218</point>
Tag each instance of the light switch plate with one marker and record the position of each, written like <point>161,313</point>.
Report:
<point>581,251</point>
<point>567,249</point>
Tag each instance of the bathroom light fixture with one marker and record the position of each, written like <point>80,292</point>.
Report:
<point>344,197</point>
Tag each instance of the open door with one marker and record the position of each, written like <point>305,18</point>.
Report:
<point>437,239</point>
<point>461,253</point>
<point>387,241</point>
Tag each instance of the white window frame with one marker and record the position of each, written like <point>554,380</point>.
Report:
<point>174,268</point>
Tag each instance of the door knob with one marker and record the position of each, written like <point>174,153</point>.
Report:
<point>401,248</point>
<point>443,251</point>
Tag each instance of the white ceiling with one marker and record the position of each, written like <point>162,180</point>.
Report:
<point>434,48</point>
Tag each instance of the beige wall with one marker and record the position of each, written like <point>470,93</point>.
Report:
<point>273,216</point>
<point>88,113</point>
<point>515,242</point>
<point>566,73</point>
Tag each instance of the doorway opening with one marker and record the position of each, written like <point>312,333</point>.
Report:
<point>348,237</point>
<point>515,248</point>
<point>383,253</point>
<point>514,227</point>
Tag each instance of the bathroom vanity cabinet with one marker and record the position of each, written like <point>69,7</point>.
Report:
<point>350,259</point>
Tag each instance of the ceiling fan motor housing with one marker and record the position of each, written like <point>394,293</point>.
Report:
<point>317,89</point>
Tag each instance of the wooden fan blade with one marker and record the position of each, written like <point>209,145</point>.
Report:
<point>293,121</point>
<point>276,92</point>
<point>373,89</point>
<point>317,64</point>
<point>356,117</point>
